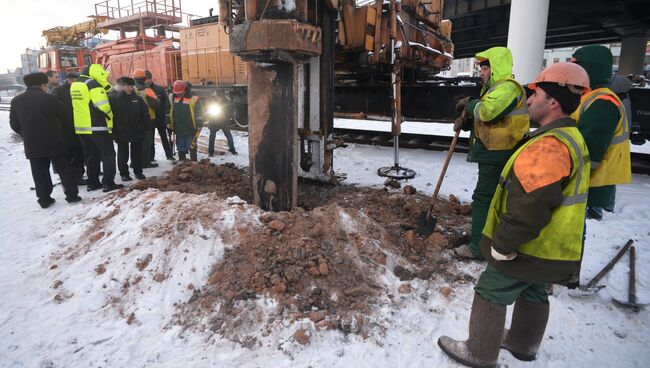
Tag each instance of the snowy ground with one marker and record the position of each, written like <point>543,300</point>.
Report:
<point>77,313</point>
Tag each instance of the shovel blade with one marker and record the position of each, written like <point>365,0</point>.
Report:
<point>426,223</point>
<point>627,305</point>
<point>585,292</point>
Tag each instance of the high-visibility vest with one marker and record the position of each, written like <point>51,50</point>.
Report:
<point>148,92</point>
<point>507,132</point>
<point>561,238</point>
<point>191,101</point>
<point>88,94</point>
<point>615,168</point>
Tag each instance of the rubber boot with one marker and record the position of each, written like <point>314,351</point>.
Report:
<point>526,330</point>
<point>193,155</point>
<point>182,156</point>
<point>481,350</point>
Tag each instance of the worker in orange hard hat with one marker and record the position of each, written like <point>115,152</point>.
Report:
<point>185,119</point>
<point>533,235</point>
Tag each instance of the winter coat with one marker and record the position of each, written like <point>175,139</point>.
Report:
<point>129,117</point>
<point>538,209</point>
<point>598,122</point>
<point>162,106</point>
<point>500,115</point>
<point>62,92</point>
<point>39,118</point>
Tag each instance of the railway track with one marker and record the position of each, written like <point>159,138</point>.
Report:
<point>4,106</point>
<point>640,161</point>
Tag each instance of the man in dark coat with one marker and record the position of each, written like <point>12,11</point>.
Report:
<point>129,119</point>
<point>40,119</point>
<point>161,125</point>
<point>72,140</point>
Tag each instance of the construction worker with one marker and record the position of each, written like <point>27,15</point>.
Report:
<point>219,114</point>
<point>185,119</point>
<point>130,115</point>
<point>498,121</point>
<point>153,105</point>
<point>160,117</point>
<point>40,119</point>
<point>533,235</point>
<point>603,122</point>
<point>93,122</point>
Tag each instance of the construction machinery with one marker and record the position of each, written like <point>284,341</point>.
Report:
<point>295,52</point>
<point>67,48</point>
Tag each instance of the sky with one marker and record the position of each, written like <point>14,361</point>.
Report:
<point>22,22</point>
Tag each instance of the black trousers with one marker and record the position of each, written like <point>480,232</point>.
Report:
<point>98,147</point>
<point>43,180</point>
<point>213,134</point>
<point>77,162</point>
<point>135,150</point>
<point>162,132</point>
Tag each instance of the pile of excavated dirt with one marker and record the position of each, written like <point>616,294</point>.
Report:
<point>199,178</point>
<point>322,260</point>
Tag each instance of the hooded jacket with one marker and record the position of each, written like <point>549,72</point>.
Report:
<point>599,121</point>
<point>90,105</point>
<point>500,115</point>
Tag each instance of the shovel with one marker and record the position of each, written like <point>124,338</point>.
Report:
<point>591,288</point>
<point>427,220</point>
<point>631,295</point>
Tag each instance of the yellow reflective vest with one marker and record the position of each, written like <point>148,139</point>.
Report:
<point>561,238</point>
<point>507,132</point>
<point>91,109</point>
<point>615,168</point>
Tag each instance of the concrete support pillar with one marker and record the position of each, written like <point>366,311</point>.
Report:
<point>272,135</point>
<point>632,55</point>
<point>527,37</point>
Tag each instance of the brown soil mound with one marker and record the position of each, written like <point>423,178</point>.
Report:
<point>320,261</point>
<point>199,178</point>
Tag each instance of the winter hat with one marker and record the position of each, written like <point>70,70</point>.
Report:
<point>35,79</point>
<point>126,81</point>
<point>567,99</point>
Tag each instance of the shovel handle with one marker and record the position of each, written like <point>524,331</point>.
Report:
<point>610,265</point>
<point>444,167</point>
<point>631,298</point>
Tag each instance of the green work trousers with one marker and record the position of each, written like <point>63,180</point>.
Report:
<point>146,147</point>
<point>488,179</point>
<point>496,287</point>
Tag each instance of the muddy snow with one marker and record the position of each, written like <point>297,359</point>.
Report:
<point>180,269</point>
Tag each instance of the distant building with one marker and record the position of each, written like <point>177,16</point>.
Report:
<point>29,61</point>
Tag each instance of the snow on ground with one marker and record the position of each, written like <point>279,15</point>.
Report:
<point>77,314</point>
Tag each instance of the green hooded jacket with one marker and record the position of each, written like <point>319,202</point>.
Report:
<point>495,105</point>
<point>598,123</point>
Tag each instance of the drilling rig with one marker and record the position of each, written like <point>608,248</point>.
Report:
<point>292,46</point>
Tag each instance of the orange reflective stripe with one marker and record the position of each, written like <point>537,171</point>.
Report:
<point>610,99</point>
<point>151,93</point>
<point>544,162</point>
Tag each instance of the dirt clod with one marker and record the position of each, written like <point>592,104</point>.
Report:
<point>405,289</point>
<point>303,336</point>
<point>277,225</point>
<point>409,190</point>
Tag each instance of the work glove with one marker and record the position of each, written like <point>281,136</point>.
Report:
<point>460,105</point>
<point>460,121</point>
<point>502,257</point>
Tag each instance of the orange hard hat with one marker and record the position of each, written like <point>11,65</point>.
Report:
<point>179,87</point>
<point>571,75</point>
<point>139,73</point>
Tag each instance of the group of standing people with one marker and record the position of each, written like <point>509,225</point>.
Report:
<point>535,191</point>
<point>73,126</point>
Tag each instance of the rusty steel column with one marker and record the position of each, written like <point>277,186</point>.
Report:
<point>272,135</point>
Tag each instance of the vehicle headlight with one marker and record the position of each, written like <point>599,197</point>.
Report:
<point>215,110</point>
